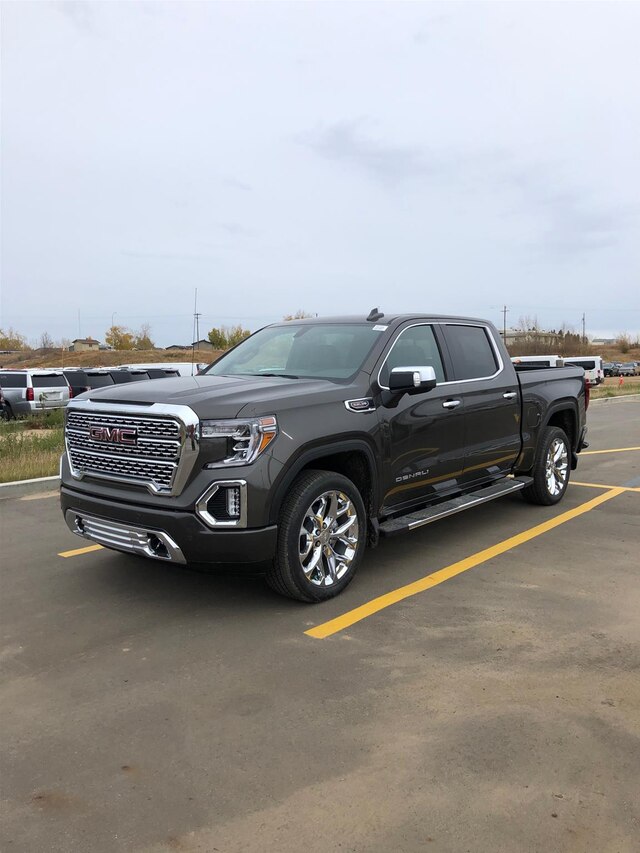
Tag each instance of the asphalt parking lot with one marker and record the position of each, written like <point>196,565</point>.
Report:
<point>493,704</point>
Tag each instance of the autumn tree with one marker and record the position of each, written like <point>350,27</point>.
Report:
<point>236,334</point>
<point>119,337</point>
<point>225,336</point>
<point>218,338</point>
<point>142,339</point>
<point>45,341</point>
<point>10,339</point>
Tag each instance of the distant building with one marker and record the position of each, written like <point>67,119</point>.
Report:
<point>179,346</point>
<point>204,344</point>
<point>601,342</point>
<point>84,345</point>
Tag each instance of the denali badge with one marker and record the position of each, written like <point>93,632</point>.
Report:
<point>114,435</point>
<point>365,404</point>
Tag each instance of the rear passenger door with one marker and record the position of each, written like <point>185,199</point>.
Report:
<point>488,391</point>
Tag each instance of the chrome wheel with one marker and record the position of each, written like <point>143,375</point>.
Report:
<point>328,538</point>
<point>557,467</point>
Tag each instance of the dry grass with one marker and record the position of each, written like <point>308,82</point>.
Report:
<point>611,387</point>
<point>24,455</point>
<point>57,359</point>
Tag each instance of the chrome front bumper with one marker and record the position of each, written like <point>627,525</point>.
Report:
<point>124,537</point>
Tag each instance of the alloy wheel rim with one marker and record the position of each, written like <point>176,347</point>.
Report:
<point>328,538</point>
<point>557,467</point>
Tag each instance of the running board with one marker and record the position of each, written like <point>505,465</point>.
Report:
<point>405,523</point>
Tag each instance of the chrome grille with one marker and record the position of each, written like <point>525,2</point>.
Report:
<point>152,461</point>
<point>147,427</point>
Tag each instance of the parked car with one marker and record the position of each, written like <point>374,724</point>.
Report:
<point>4,411</point>
<point>626,368</point>
<point>592,366</point>
<point>78,381</point>
<point>184,368</point>
<point>162,372</point>
<point>609,368</point>
<point>29,391</point>
<point>531,362</point>
<point>313,438</point>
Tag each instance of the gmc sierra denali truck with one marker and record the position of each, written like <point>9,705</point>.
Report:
<point>313,438</point>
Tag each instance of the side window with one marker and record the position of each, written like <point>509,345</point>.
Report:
<point>414,347</point>
<point>471,351</point>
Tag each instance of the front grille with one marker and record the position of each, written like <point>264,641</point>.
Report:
<point>152,461</point>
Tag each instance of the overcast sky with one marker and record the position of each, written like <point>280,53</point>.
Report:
<point>326,156</point>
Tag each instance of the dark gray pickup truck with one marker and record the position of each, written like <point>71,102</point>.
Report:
<point>313,438</point>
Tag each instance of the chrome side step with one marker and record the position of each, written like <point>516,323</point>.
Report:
<point>405,523</point>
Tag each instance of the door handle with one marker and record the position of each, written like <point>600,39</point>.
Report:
<point>509,395</point>
<point>451,404</point>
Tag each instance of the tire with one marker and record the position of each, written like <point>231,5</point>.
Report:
<point>551,470</point>
<point>314,564</point>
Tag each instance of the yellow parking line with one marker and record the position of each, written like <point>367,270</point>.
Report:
<point>79,551</point>
<point>613,450</point>
<point>326,629</point>
<point>601,486</point>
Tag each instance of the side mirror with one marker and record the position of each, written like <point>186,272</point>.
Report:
<point>412,380</point>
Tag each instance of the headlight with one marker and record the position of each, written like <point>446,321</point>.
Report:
<point>245,439</point>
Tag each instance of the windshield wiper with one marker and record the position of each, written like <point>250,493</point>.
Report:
<point>283,375</point>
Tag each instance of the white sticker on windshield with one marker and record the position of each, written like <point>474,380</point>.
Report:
<point>380,328</point>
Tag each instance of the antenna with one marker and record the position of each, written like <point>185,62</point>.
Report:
<point>374,315</point>
<point>196,329</point>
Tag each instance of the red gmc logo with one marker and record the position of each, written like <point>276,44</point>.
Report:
<point>115,435</point>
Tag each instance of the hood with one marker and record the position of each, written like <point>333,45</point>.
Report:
<point>223,396</point>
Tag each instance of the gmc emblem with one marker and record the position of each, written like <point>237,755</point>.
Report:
<point>114,435</point>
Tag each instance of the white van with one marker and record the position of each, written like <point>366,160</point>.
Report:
<point>592,366</point>
<point>539,360</point>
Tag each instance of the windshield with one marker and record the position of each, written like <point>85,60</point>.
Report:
<point>332,351</point>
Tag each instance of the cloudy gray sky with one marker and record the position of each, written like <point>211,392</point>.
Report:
<point>326,156</point>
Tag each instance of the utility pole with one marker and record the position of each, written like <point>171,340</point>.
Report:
<point>505,311</point>
<point>584,335</point>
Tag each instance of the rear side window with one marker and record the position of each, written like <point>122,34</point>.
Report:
<point>471,351</point>
<point>99,380</point>
<point>52,381</point>
<point>584,364</point>
<point>13,380</point>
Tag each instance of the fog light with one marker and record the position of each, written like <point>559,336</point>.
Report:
<point>233,501</point>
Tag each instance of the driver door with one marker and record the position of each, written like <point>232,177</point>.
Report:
<point>423,436</point>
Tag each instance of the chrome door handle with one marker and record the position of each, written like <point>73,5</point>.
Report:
<point>510,395</point>
<point>451,404</point>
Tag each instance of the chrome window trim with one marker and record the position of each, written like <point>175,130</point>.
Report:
<point>487,329</point>
<point>189,425</point>
<point>203,513</point>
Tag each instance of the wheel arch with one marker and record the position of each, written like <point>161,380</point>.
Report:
<point>353,458</point>
<point>564,415</point>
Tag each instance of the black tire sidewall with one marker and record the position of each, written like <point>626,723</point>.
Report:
<point>289,533</point>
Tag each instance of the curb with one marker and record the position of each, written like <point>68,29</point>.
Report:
<point>18,488</point>
<point>613,399</point>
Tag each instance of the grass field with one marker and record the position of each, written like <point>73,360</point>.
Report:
<point>107,358</point>
<point>26,454</point>
<point>611,387</point>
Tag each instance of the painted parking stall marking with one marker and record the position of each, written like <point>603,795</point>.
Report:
<point>78,551</point>
<point>333,626</point>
